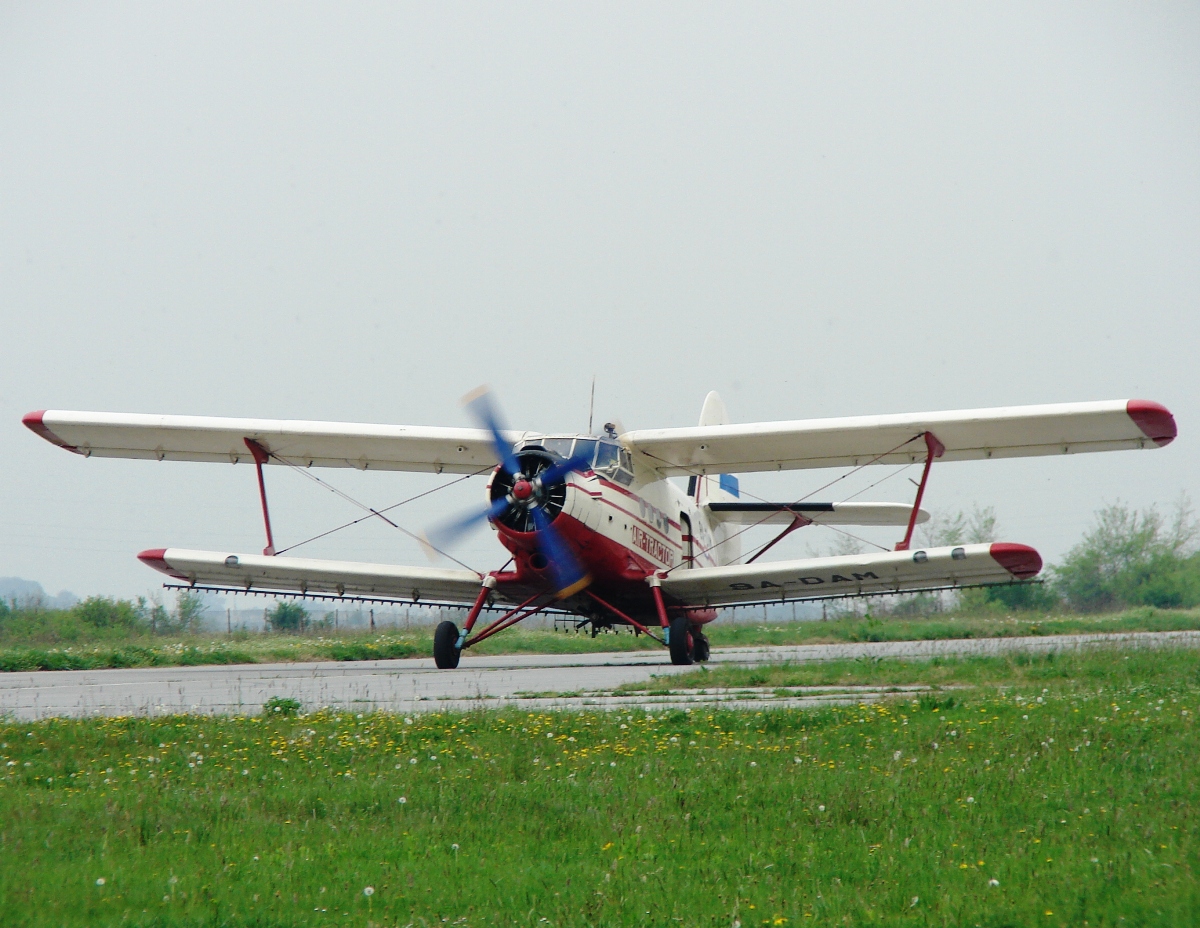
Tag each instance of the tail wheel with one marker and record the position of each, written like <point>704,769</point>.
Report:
<point>681,643</point>
<point>445,646</point>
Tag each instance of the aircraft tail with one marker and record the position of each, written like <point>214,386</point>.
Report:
<point>714,487</point>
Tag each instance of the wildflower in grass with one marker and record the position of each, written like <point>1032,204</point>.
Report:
<point>100,881</point>
<point>402,800</point>
<point>820,808</point>
<point>368,891</point>
<point>970,799</point>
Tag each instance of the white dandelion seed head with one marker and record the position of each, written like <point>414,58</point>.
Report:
<point>402,800</point>
<point>368,890</point>
<point>100,881</point>
<point>993,882</point>
<point>820,808</point>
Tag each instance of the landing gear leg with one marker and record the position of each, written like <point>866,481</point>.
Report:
<point>700,647</point>
<point>448,641</point>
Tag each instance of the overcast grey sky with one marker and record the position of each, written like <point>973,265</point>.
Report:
<point>361,212</point>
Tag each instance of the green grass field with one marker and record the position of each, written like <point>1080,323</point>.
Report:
<point>1043,791</point>
<point>48,652</point>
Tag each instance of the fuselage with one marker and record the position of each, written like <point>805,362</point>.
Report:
<point>624,524</point>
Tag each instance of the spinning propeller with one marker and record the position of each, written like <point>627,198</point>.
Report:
<point>527,494</point>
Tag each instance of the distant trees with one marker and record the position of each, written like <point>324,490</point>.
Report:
<point>1133,558</point>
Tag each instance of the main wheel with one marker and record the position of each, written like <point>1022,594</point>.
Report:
<point>445,646</point>
<point>680,641</point>
<point>700,648</point>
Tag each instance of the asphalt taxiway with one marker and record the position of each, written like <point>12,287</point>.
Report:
<point>533,681</point>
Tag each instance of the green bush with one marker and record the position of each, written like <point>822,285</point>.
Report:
<point>103,612</point>
<point>287,617</point>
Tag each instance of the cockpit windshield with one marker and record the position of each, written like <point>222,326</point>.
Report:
<point>605,456</point>
<point>558,446</point>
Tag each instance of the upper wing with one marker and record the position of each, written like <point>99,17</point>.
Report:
<point>746,513</point>
<point>315,444</point>
<point>969,434</point>
<point>852,575</point>
<point>305,575</point>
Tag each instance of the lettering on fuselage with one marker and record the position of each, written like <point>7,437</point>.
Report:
<point>652,546</point>
<point>808,581</point>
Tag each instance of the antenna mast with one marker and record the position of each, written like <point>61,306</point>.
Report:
<point>592,405</point>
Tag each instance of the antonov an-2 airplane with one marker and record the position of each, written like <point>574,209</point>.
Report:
<point>595,527</point>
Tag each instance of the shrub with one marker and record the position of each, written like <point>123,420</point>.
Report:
<point>102,612</point>
<point>291,618</point>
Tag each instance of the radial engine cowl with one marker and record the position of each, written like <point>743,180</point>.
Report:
<point>526,492</point>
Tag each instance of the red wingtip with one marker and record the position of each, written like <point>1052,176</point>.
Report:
<point>1154,419</point>
<point>157,558</point>
<point>1021,561</point>
<point>33,422</point>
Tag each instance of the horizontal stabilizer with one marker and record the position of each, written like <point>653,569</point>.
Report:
<point>852,575</point>
<point>305,575</point>
<point>967,434</point>
<point>749,513</point>
<point>309,444</point>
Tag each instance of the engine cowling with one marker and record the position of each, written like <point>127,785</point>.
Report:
<point>526,491</point>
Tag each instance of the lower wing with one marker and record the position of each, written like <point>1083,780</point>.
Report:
<point>257,572</point>
<point>853,575</point>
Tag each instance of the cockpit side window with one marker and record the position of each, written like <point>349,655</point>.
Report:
<point>624,472</point>
<point>606,456</point>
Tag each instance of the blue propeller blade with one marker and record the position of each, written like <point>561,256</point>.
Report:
<point>480,406</point>
<point>556,473</point>
<point>569,577</point>
<point>447,533</point>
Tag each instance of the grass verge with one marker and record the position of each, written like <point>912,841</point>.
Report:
<point>1059,794</point>
<point>242,648</point>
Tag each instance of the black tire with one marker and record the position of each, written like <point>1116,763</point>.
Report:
<point>445,646</point>
<point>700,647</point>
<point>681,643</point>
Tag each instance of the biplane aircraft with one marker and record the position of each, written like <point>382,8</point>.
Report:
<point>642,529</point>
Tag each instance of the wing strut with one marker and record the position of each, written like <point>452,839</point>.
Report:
<point>935,450</point>
<point>261,456</point>
<point>798,521</point>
